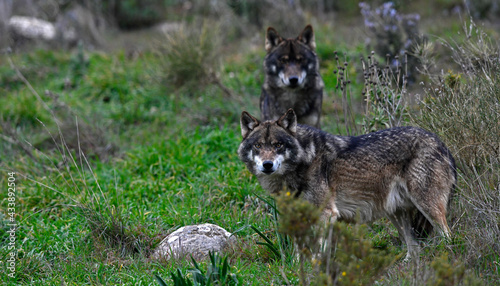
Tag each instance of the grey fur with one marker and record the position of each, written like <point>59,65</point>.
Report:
<point>406,173</point>
<point>292,78</point>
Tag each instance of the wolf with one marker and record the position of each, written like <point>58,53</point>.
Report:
<point>405,173</point>
<point>292,78</point>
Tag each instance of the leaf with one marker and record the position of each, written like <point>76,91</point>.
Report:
<point>160,281</point>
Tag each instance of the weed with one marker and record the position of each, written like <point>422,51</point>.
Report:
<point>296,219</point>
<point>218,273</point>
<point>393,35</point>
<point>481,9</point>
<point>339,252</point>
<point>343,84</point>
<point>282,249</point>
<point>354,260</point>
<point>112,228</point>
<point>287,17</point>
<point>133,14</point>
<point>385,95</point>
<point>384,91</point>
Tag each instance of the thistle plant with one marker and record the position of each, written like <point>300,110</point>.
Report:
<point>385,94</point>
<point>392,35</point>
<point>384,90</point>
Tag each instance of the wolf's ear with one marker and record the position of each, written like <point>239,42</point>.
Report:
<point>307,37</point>
<point>272,39</point>
<point>289,121</point>
<point>248,123</point>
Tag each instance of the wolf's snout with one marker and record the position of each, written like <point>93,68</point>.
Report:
<point>294,81</point>
<point>268,166</point>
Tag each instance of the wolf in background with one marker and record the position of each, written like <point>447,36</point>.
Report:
<point>406,173</point>
<point>292,78</point>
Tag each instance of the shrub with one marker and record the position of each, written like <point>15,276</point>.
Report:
<point>347,256</point>
<point>482,8</point>
<point>297,216</point>
<point>446,273</point>
<point>355,260</point>
<point>191,57</point>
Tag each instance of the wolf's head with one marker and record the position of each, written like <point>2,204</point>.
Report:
<point>270,147</point>
<point>290,61</point>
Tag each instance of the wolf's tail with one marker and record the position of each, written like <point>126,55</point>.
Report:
<point>421,226</point>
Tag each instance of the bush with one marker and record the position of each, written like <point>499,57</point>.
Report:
<point>481,9</point>
<point>191,56</point>
<point>347,256</point>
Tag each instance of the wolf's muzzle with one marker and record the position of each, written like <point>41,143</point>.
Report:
<point>294,81</point>
<point>268,167</point>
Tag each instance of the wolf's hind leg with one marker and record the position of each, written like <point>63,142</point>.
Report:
<point>402,221</point>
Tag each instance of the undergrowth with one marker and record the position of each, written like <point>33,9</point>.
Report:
<point>462,108</point>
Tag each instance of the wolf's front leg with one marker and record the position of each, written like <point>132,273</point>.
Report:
<point>329,214</point>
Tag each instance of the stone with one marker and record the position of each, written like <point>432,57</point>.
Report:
<point>75,24</point>
<point>195,241</point>
<point>31,28</point>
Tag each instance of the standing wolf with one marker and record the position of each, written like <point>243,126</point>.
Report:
<point>292,78</point>
<point>405,173</point>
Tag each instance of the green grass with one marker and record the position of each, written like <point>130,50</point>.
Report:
<point>176,165</point>
<point>193,178</point>
<point>172,161</point>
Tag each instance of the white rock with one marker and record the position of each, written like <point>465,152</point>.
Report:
<point>193,240</point>
<point>32,28</point>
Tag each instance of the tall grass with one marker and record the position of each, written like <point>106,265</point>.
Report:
<point>191,57</point>
<point>463,108</point>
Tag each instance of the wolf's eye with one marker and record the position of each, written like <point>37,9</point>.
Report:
<point>284,60</point>
<point>299,59</point>
<point>278,145</point>
<point>257,145</point>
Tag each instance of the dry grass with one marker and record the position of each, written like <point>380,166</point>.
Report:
<point>463,108</point>
<point>191,55</point>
